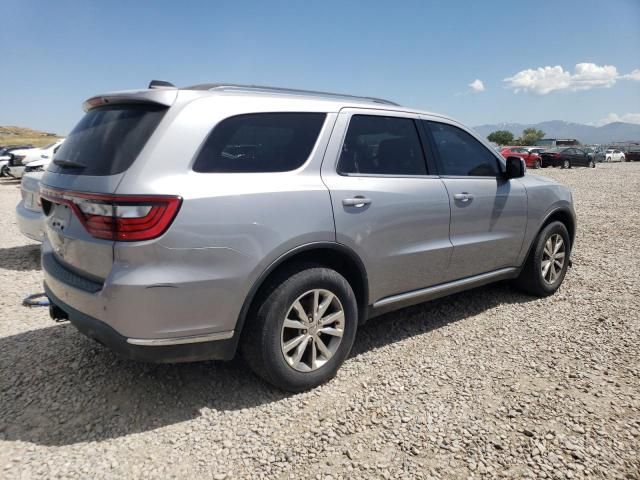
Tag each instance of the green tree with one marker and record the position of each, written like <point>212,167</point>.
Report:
<point>501,137</point>
<point>530,136</point>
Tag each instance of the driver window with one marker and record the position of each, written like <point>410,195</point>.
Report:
<point>460,154</point>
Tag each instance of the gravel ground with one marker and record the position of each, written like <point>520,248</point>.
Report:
<point>486,383</point>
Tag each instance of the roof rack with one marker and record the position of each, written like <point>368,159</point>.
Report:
<point>289,91</point>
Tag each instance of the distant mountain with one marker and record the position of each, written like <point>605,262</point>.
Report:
<point>612,132</point>
<point>24,132</point>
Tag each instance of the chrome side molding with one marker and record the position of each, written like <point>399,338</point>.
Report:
<point>163,342</point>
<point>431,293</point>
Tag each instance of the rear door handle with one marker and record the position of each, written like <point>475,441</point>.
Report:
<point>463,197</point>
<point>357,201</point>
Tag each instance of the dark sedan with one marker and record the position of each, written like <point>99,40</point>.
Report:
<point>567,157</point>
<point>632,154</point>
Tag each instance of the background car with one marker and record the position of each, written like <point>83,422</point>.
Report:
<point>632,154</point>
<point>35,159</point>
<point>614,155</point>
<point>532,160</point>
<point>29,215</point>
<point>599,155</point>
<point>8,157</point>
<point>537,150</point>
<point>567,157</point>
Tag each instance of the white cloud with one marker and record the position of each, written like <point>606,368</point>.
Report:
<point>477,85</point>
<point>614,117</point>
<point>634,75</point>
<point>589,75</point>
<point>544,80</point>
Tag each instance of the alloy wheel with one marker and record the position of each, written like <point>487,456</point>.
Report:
<point>553,258</point>
<point>312,330</point>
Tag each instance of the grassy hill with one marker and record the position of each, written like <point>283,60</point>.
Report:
<point>11,135</point>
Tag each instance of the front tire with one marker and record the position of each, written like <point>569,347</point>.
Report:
<point>548,260</point>
<point>302,329</point>
<point>566,164</point>
<point>592,164</point>
<point>537,165</point>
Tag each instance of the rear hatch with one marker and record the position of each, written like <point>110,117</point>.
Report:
<point>83,216</point>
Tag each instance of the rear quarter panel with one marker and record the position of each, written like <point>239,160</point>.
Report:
<point>230,227</point>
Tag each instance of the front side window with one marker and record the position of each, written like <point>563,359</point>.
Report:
<point>460,154</point>
<point>260,142</point>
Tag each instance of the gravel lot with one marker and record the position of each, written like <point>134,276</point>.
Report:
<point>486,383</point>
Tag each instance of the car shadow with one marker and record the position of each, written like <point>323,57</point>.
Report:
<point>60,388</point>
<point>21,258</point>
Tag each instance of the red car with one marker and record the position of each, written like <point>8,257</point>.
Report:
<point>532,160</point>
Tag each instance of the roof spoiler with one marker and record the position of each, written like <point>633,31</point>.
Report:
<point>162,95</point>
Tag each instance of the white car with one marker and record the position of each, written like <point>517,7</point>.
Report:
<point>33,159</point>
<point>29,211</point>
<point>4,165</point>
<point>613,155</point>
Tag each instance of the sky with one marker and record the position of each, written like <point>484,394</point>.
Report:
<point>478,61</point>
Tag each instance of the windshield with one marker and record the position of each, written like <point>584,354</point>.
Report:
<point>107,140</point>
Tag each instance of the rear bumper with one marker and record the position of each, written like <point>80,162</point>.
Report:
<point>30,223</point>
<point>184,351</point>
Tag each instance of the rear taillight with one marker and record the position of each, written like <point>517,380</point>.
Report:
<point>125,218</point>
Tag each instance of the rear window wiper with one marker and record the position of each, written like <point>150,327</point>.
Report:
<point>69,163</point>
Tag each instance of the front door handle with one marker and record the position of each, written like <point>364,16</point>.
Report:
<point>357,201</point>
<point>463,197</point>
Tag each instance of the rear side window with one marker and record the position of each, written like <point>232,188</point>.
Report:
<point>460,154</point>
<point>260,142</point>
<point>379,145</point>
<point>107,140</point>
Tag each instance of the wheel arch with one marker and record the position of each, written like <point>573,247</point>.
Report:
<point>564,216</point>
<point>329,254</point>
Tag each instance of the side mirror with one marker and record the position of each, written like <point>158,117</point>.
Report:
<point>515,167</point>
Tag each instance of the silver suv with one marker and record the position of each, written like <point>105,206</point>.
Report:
<point>185,224</point>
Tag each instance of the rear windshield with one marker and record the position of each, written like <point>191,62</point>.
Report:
<point>107,140</point>
<point>260,142</point>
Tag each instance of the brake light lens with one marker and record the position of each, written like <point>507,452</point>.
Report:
<point>124,218</point>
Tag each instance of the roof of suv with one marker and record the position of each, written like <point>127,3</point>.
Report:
<point>165,93</point>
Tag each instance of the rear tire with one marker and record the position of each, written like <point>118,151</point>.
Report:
<point>269,345</point>
<point>592,164</point>
<point>566,164</point>
<point>537,165</point>
<point>534,278</point>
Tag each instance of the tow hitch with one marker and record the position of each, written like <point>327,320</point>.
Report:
<point>41,300</point>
